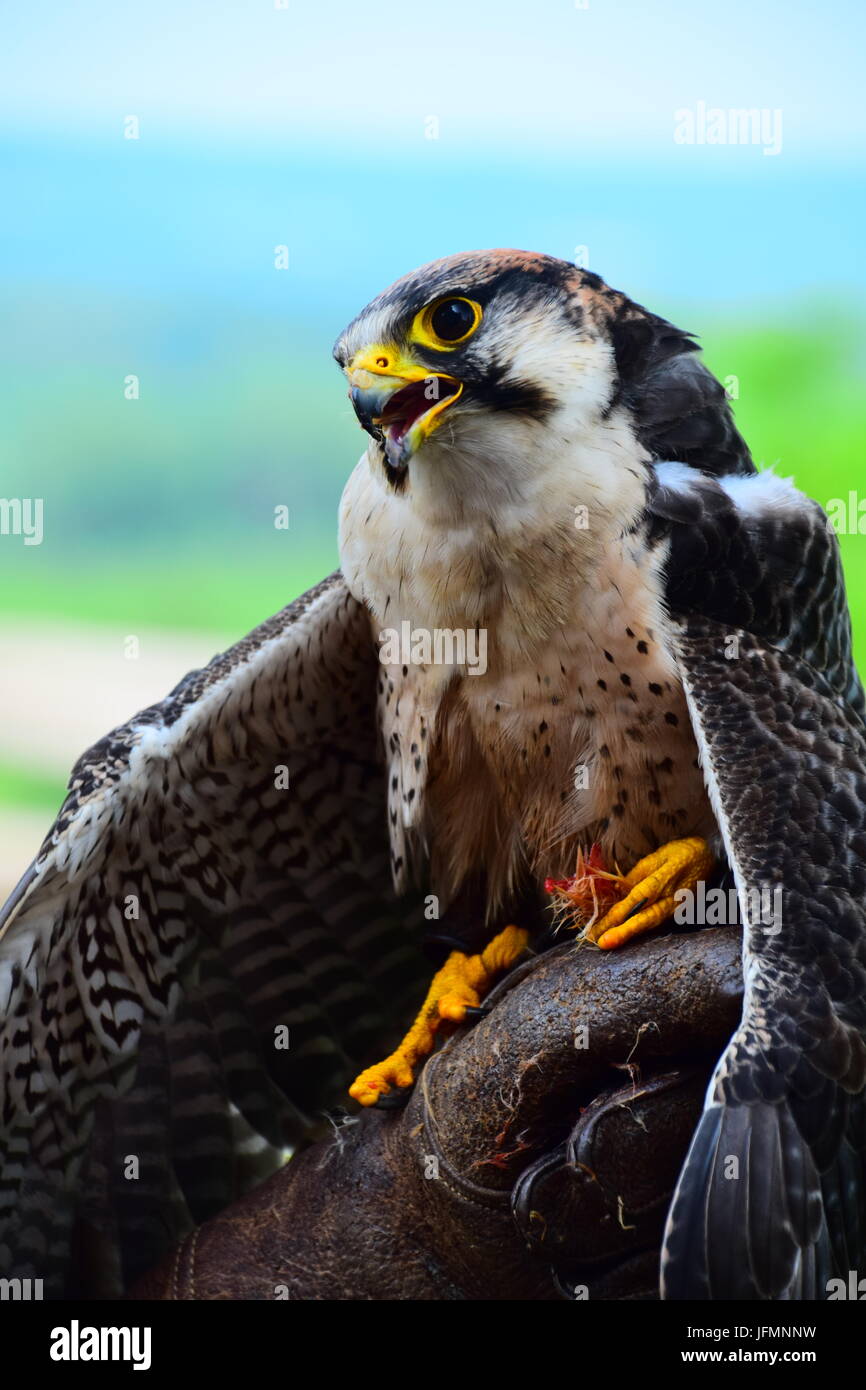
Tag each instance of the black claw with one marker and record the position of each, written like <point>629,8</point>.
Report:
<point>393,1100</point>
<point>475,1011</point>
<point>565,1286</point>
<point>637,908</point>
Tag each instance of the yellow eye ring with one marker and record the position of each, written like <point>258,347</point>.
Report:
<point>446,323</point>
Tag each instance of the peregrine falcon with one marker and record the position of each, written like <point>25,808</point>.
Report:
<point>576,639</point>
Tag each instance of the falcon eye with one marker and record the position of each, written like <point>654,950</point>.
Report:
<point>452,319</point>
<point>447,322</point>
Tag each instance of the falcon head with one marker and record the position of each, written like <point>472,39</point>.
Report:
<point>467,371</point>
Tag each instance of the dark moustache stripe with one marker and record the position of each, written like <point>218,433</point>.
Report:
<point>498,391</point>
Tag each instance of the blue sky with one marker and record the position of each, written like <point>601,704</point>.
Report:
<point>307,126</point>
<point>500,73</point>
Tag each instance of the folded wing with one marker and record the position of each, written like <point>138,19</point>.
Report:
<point>772,1199</point>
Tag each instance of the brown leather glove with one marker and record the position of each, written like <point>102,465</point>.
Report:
<point>535,1159</point>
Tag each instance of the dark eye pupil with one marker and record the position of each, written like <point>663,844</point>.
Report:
<point>452,319</point>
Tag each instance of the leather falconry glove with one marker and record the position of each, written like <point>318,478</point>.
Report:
<point>536,1157</point>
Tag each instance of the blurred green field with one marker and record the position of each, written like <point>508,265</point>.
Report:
<point>161,514</point>
<point>24,788</point>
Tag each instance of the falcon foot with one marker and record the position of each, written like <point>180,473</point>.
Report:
<point>454,995</point>
<point>650,890</point>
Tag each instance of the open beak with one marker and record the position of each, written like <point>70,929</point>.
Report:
<point>398,401</point>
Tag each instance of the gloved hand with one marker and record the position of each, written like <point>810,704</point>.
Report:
<point>535,1159</point>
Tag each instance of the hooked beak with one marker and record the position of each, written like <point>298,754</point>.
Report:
<point>398,402</point>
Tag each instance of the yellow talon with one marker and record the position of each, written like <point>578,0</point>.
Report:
<point>460,984</point>
<point>653,883</point>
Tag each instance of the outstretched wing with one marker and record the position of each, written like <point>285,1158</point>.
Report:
<point>204,949</point>
<point>771,1202</point>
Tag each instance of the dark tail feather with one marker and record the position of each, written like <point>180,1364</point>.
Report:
<point>747,1218</point>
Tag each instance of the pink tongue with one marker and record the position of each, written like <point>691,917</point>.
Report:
<point>406,411</point>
